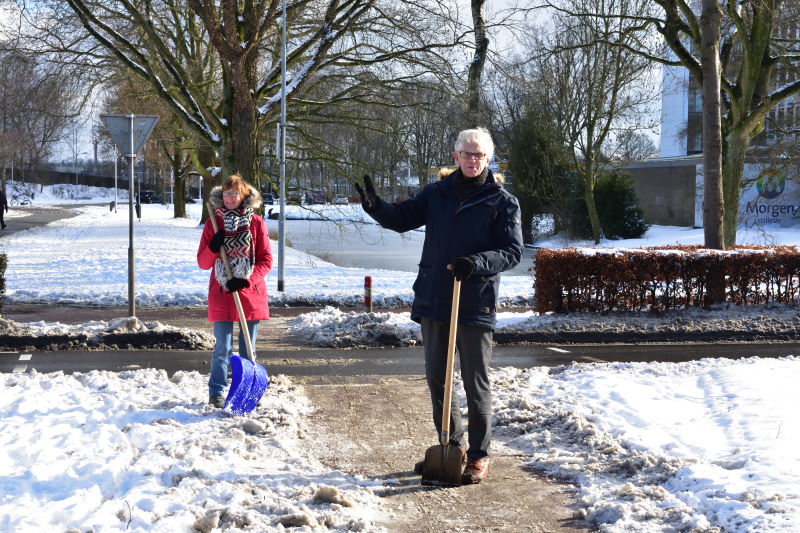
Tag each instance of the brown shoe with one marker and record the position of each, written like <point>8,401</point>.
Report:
<point>419,467</point>
<point>476,471</point>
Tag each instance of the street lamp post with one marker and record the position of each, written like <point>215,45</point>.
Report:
<point>74,166</point>
<point>282,155</point>
<point>116,160</point>
<point>131,252</point>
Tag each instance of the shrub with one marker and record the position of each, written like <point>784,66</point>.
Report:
<point>3,263</point>
<point>663,277</point>
<point>617,207</point>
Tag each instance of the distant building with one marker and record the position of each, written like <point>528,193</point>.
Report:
<point>670,188</point>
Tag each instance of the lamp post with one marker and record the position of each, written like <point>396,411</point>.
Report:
<point>116,160</point>
<point>282,154</point>
<point>74,166</point>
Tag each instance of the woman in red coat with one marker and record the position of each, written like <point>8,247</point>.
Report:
<point>246,239</point>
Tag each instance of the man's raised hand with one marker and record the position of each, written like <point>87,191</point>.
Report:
<point>369,198</point>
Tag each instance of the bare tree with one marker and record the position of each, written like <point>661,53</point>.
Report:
<point>592,82</point>
<point>430,128</point>
<point>757,56</point>
<point>511,87</point>
<point>232,111</point>
<point>633,146</point>
<point>35,107</point>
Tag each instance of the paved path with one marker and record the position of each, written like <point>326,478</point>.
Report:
<point>379,427</point>
<point>25,217</point>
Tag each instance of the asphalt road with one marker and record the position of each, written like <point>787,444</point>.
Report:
<point>26,217</point>
<point>319,364</point>
<point>367,245</point>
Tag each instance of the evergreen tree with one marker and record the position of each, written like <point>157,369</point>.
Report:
<point>539,164</point>
<point>617,207</point>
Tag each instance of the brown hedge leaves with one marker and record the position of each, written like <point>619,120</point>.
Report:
<point>662,278</point>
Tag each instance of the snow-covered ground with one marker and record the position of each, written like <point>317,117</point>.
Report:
<point>705,446</point>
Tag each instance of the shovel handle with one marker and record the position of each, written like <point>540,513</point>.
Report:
<point>451,355</point>
<point>236,299</point>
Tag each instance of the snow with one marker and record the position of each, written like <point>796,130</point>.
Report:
<point>138,451</point>
<point>664,447</point>
<point>707,445</point>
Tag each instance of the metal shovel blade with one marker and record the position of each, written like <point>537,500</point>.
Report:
<point>248,382</point>
<point>442,465</point>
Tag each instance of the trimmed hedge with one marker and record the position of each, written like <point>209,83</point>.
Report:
<point>3,264</point>
<point>662,278</point>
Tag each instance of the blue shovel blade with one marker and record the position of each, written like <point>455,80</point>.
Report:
<point>248,382</point>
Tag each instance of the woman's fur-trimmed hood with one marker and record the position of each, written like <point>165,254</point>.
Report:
<point>252,200</point>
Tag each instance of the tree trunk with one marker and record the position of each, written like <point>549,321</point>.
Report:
<point>526,209</point>
<point>713,208</point>
<point>243,133</point>
<point>594,218</point>
<point>239,142</point>
<point>476,65</point>
<point>179,183</point>
<point>736,143</point>
<point>202,160</point>
<point>588,195</point>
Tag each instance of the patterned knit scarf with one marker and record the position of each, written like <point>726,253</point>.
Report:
<point>238,244</point>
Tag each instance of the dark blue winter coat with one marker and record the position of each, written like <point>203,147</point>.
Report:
<point>486,227</point>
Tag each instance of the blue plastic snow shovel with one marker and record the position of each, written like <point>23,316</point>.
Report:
<point>248,379</point>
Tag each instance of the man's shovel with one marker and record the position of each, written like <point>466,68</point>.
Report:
<point>443,462</point>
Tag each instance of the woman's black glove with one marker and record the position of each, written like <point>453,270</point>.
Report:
<point>369,199</point>
<point>463,268</point>
<point>236,284</point>
<point>217,241</point>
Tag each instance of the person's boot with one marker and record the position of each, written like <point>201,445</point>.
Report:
<point>476,471</point>
<point>216,401</point>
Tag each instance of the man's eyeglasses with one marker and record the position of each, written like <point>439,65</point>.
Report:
<point>471,155</point>
<point>231,194</point>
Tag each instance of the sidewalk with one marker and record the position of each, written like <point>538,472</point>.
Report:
<point>378,426</point>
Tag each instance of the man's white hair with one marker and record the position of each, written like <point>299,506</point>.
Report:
<point>479,135</point>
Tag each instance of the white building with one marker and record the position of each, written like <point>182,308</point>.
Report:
<point>770,192</point>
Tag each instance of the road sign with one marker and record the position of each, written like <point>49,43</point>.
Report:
<point>121,127</point>
<point>129,133</point>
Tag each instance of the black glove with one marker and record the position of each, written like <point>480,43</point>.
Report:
<point>235,284</point>
<point>463,268</point>
<point>369,199</point>
<point>217,241</point>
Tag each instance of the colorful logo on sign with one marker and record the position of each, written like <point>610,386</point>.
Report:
<point>770,183</point>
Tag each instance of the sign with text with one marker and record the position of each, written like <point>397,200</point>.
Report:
<point>770,198</point>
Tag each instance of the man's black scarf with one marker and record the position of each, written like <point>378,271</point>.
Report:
<point>465,186</point>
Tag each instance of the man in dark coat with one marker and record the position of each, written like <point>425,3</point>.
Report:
<point>473,232</point>
<point>3,205</point>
